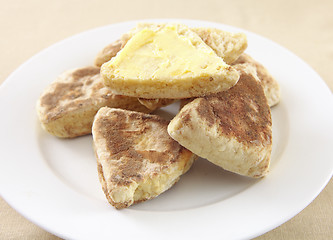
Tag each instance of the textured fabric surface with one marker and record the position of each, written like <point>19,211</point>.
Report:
<point>304,27</point>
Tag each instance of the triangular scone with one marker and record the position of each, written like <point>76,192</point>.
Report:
<point>137,159</point>
<point>169,62</point>
<point>229,46</point>
<point>67,107</point>
<point>270,85</point>
<point>232,129</point>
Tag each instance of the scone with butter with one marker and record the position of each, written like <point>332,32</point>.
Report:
<point>227,45</point>
<point>168,62</point>
<point>109,52</point>
<point>137,159</point>
<point>232,129</point>
<point>270,85</point>
<point>67,107</point>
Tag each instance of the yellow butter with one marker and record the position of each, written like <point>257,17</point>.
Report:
<point>163,54</point>
<point>170,61</point>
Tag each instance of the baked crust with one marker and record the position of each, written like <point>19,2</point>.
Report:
<point>67,107</point>
<point>232,129</point>
<point>137,159</point>
<point>270,85</point>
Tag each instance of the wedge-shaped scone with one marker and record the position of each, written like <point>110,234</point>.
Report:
<point>231,129</point>
<point>270,85</point>
<point>169,62</point>
<point>229,46</point>
<point>67,107</point>
<point>137,159</point>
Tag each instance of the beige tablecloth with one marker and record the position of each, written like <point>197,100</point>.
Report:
<point>304,27</point>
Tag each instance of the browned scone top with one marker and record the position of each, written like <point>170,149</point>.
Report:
<point>270,85</point>
<point>137,159</point>
<point>67,107</point>
<point>58,99</point>
<point>242,111</point>
<point>232,129</point>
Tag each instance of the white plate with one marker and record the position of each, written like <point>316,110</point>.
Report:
<point>54,182</point>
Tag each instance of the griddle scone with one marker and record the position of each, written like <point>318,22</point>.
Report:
<point>168,62</point>
<point>232,129</point>
<point>270,85</point>
<point>137,159</point>
<point>67,107</point>
<point>227,45</point>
